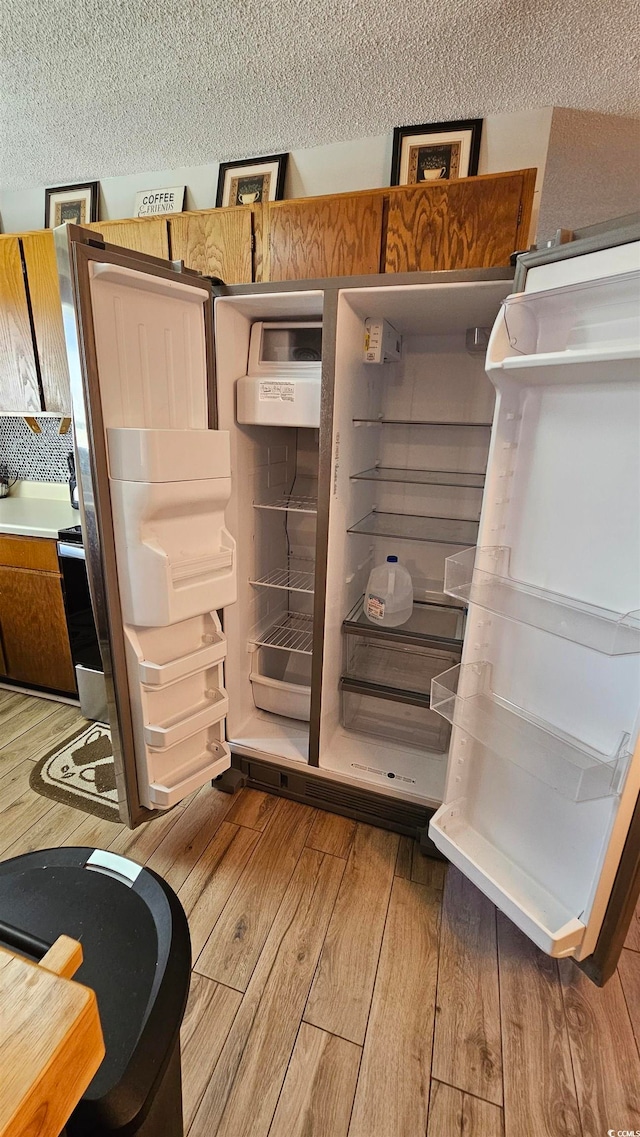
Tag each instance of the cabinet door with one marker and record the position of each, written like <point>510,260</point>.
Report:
<point>471,223</point>
<point>215,242</point>
<point>325,236</point>
<point>19,390</point>
<point>34,629</point>
<point>44,291</point>
<point>143,235</point>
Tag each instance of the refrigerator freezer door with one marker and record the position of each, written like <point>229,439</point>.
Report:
<point>155,482</point>
<point>544,769</point>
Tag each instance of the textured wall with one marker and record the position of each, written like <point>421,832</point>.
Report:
<point>34,457</point>
<point>592,172</point>
<point>95,89</point>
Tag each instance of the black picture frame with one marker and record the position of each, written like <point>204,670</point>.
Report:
<point>474,125</point>
<point>94,197</point>
<point>262,160</point>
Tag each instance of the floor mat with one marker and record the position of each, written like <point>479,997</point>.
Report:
<point>81,773</point>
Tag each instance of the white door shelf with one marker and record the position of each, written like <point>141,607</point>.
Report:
<point>158,674</point>
<point>570,767</point>
<point>547,921</point>
<point>481,576</point>
<point>289,580</point>
<point>407,527</point>
<point>173,787</point>
<point>421,477</point>
<point>177,727</point>
<point>292,631</point>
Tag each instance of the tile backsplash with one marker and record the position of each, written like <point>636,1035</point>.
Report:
<point>35,457</point>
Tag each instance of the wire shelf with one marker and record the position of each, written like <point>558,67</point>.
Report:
<point>291,632</point>
<point>421,477</point>
<point>294,503</point>
<point>290,580</point>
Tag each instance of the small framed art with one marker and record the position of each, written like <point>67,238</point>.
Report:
<point>77,204</point>
<point>435,152</point>
<point>252,180</point>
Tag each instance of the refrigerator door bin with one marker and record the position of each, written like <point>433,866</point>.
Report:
<point>547,919</point>
<point>569,766</point>
<point>583,319</point>
<point>406,527</point>
<point>200,759</point>
<point>281,683</point>
<point>400,717</point>
<point>175,556</point>
<point>175,728</point>
<point>405,667</point>
<point>481,576</point>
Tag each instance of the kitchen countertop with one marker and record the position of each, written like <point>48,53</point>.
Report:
<point>37,509</point>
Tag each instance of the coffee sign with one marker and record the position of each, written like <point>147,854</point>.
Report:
<point>169,200</point>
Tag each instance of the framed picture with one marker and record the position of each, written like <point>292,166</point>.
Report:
<point>78,204</point>
<point>435,152</point>
<point>252,181</point>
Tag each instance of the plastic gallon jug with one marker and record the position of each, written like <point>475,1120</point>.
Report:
<point>388,599</point>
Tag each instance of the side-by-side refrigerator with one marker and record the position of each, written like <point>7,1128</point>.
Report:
<point>246,458</point>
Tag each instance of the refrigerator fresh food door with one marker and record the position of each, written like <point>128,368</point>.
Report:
<point>155,478</point>
<point>544,767</point>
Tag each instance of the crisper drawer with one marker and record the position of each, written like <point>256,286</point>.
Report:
<point>385,714</point>
<point>404,667</point>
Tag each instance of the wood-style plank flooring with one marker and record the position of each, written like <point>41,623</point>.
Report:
<point>343,985</point>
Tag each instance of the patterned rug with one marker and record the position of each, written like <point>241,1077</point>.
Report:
<point>81,773</point>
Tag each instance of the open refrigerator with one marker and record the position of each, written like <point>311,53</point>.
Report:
<point>228,559</point>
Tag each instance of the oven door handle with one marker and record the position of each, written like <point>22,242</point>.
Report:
<point>68,550</point>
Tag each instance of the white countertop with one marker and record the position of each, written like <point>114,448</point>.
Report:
<point>37,509</point>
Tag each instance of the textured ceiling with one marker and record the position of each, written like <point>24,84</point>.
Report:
<point>105,87</point>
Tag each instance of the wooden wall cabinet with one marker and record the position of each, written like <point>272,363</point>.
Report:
<point>33,626</point>
<point>472,223</point>
<point>142,234</point>
<point>44,290</point>
<point>338,235</point>
<point>469,223</point>
<point>19,388</point>
<point>216,242</point>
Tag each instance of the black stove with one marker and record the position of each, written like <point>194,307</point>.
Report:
<point>73,535</point>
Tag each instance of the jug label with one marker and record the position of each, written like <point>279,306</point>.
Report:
<point>281,392</point>
<point>375,607</point>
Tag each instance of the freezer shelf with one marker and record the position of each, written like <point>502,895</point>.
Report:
<point>408,527</point>
<point>293,504</point>
<point>290,580</point>
<point>421,477</point>
<point>430,623</point>
<point>291,632</point>
<point>481,576</point>
<point>569,766</point>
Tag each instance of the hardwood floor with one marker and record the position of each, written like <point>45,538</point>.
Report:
<point>343,985</point>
